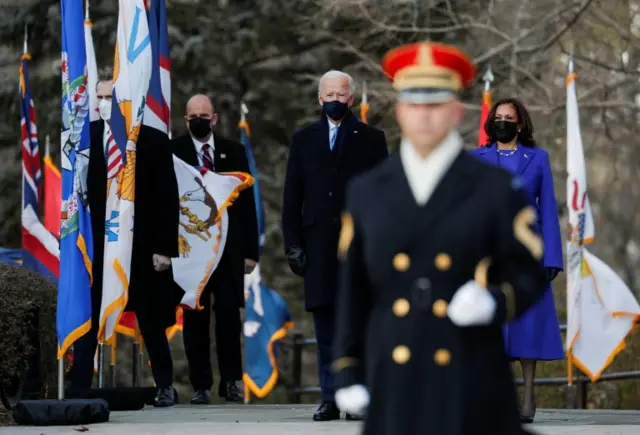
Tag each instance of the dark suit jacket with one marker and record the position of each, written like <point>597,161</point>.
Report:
<point>155,225</point>
<point>314,193</point>
<point>242,236</point>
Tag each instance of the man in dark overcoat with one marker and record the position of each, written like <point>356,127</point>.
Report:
<point>202,147</point>
<point>153,295</point>
<point>438,252</point>
<point>323,157</point>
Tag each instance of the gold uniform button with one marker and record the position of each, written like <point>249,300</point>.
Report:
<point>440,308</point>
<point>401,307</point>
<point>401,354</point>
<point>401,262</point>
<point>442,357</point>
<point>443,261</point>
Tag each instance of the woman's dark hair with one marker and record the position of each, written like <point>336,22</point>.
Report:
<point>525,136</point>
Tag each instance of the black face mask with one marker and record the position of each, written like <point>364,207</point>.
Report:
<point>504,131</point>
<point>335,109</point>
<point>200,127</point>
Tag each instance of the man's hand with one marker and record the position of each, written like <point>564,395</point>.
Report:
<point>353,400</point>
<point>472,305</point>
<point>297,260</point>
<point>249,265</point>
<point>161,263</point>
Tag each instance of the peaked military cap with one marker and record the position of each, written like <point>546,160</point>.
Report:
<point>427,72</point>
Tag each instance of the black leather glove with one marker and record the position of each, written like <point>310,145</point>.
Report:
<point>551,273</point>
<point>297,260</point>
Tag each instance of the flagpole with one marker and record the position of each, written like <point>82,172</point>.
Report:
<point>488,79</point>
<point>570,388</point>
<point>364,106</point>
<point>86,11</point>
<point>244,111</point>
<point>47,146</point>
<point>25,47</point>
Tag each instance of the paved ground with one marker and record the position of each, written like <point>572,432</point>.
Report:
<point>295,420</point>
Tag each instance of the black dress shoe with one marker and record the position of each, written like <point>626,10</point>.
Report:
<point>164,397</point>
<point>352,417</point>
<point>230,392</point>
<point>202,397</point>
<point>326,412</point>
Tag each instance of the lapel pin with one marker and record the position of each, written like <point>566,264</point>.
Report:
<point>526,156</point>
<point>355,131</point>
<point>223,156</point>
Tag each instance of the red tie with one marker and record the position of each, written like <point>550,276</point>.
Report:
<point>206,157</point>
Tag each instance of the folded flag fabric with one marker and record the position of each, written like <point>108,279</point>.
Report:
<point>204,199</point>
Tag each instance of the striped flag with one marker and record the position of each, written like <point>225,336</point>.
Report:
<point>601,309</point>
<point>52,193</point>
<point>113,155</point>
<point>76,243</point>
<point>40,248</point>
<point>131,76</point>
<point>157,113</point>
<point>92,66</point>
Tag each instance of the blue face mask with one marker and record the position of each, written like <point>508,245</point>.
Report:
<point>335,109</point>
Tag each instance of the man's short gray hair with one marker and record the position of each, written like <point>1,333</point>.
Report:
<point>334,74</point>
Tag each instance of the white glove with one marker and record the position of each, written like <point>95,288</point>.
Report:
<point>353,400</point>
<point>472,305</point>
<point>161,263</point>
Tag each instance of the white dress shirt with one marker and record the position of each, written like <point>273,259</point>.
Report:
<point>331,127</point>
<point>424,175</point>
<point>200,151</point>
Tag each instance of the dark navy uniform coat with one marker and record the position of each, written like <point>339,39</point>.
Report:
<point>402,264</point>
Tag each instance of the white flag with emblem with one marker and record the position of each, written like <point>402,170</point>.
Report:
<point>131,76</point>
<point>204,199</point>
<point>601,309</point>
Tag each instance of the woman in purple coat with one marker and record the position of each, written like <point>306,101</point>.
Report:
<point>536,335</point>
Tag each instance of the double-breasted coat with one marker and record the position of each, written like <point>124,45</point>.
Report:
<point>402,264</point>
<point>314,193</point>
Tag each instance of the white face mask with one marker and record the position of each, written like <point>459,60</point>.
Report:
<point>104,106</point>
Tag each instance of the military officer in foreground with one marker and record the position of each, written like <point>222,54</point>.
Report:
<point>437,254</point>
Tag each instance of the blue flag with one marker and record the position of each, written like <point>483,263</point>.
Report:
<point>76,243</point>
<point>267,320</point>
<point>245,138</point>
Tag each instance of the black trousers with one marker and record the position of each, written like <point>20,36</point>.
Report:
<point>197,337</point>
<point>155,341</point>
<point>323,322</point>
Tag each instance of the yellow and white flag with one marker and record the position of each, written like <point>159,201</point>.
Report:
<point>601,309</point>
<point>204,199</point>
<point>92,66</point>
<point>131,76</point>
